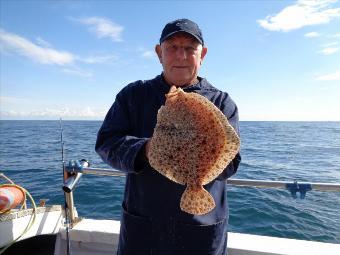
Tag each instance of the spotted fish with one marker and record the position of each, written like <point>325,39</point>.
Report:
<point>191,145</point>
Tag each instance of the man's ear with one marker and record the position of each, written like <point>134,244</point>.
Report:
<point>203,53</point>
<point>158,50</point>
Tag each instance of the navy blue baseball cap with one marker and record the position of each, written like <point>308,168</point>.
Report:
<point>182,25</point>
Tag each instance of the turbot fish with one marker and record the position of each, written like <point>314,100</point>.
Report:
<point>192,144</point>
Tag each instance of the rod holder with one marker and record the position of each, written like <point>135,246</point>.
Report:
<point>74,173</point>
<point>71,182</point>
<point>302,188</point>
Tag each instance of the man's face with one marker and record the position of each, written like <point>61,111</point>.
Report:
<point>181,56</point>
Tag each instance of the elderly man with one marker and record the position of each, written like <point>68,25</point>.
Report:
<point>152,221</point>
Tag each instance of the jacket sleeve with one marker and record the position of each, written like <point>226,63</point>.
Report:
<point>115,144</point>
<point>229,108</point>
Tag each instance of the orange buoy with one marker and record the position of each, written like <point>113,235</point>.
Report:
<point>10,197</point>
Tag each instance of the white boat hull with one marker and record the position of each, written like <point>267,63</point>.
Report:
<point>101,237</point>
<point>48,220</point>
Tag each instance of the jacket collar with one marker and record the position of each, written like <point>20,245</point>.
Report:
<point>201,85</point>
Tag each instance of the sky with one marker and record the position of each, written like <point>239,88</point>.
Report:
<point>278,60</point>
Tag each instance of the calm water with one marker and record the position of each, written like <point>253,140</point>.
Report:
<point>30,154</point>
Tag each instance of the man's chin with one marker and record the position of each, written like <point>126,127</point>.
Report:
<point>182,82</point>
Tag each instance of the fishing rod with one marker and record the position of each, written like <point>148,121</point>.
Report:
<point>66,197</point>
<point>77,168</point>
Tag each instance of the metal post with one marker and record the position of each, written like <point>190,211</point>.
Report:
<point>70,207</point>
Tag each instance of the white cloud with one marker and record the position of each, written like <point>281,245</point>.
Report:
<point>312,34</point>
<point>302,13</point>
<point>55,113</point>
<point>330,77</point>
<point>149,54</point>
<point>77,71</point>
<point>43,43</point>
<point>103,27</point>
<point>329,50</point>
<point>28,108</point>
<point>145,53</point>
<point>13,43</point>
<point>12,100</point>
<point>43,53</point>
<point>98,59</point>
<point>326,45</point>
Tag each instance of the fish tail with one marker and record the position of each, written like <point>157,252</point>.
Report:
<point>196,200</point>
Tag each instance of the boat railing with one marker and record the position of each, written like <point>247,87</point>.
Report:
<point>75,169</point>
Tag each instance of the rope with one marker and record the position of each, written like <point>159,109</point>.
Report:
<point>6,178</point>
<point>33,216</point>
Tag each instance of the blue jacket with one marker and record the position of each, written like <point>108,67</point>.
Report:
<point>152,221</point>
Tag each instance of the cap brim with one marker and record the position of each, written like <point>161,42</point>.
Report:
<point>171,34</point>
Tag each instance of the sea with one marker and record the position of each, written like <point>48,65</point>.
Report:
<point>30,155</point>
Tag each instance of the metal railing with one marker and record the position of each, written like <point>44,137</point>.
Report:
<point>75,169</point>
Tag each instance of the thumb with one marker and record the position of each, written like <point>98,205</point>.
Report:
<point>172,89</point>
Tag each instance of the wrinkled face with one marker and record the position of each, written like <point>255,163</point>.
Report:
<point>181,56</point>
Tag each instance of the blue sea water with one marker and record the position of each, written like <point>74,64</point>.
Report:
<point>30,154</point>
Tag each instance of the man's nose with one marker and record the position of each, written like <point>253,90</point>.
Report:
<point>181,53</point>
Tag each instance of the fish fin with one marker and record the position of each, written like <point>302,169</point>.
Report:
<point>197,200</point>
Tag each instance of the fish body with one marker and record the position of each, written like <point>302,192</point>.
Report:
<point>192,144</point>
